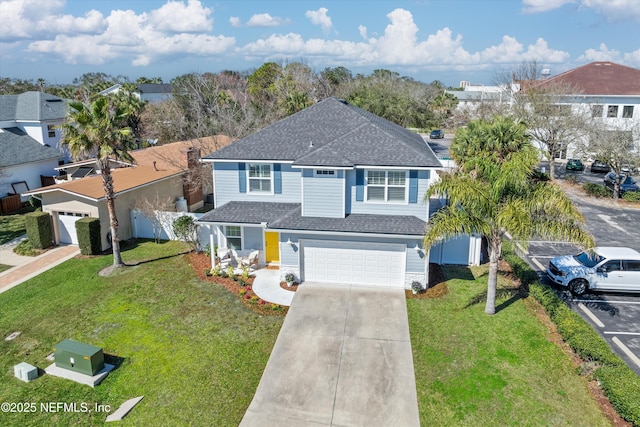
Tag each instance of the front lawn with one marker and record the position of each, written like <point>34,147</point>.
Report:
<point>191,348</point>
<point>474,369</point>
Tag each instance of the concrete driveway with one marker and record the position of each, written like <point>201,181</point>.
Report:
<point>342,358</point>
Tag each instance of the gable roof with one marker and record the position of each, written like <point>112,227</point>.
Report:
<point>124,179</point>
<point>335,133</point>
<point>598,78</point>
<point>16,147</point>
<point>169,156</point>
<point>154,88</point>
<point>32,106</point>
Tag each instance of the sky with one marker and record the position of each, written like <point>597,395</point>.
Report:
<point>427,40</point>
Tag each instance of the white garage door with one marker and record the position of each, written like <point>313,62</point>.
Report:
<point>67,226</point>
<point>353,262</point>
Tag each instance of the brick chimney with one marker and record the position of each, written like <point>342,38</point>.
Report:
<point>192,185</point>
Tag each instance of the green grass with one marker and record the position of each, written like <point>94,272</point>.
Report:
<point>191,348</point>
<point>4,267</point>
<point>12,226</point>
<point>475,370</point>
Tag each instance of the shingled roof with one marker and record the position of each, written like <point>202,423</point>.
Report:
<point>333,133</point>
<point>32,106</point>
<point>16,147</point>
<point>597,78</point>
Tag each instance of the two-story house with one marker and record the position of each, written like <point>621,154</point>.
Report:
<point>30,139</point>
<point>332,193</point>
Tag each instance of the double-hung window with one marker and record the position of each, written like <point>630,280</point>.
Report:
<point>233,233</point>
<point>259,178</point>
<point>386,186</point>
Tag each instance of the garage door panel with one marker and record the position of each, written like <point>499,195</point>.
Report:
<point>353,262</point>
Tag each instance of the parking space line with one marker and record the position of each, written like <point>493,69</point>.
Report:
<point>605,301</point>
<point>537,263</point>
<point>591,315</point>
<point>622,333</point>
<point>626,351</point>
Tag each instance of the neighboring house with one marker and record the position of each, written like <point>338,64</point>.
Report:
<point>29,138</point>
<point>332,193</point>
<point>37,114</point>
<point>23,162</point>
<point>607,92</point>
<point>150,92</point>
<point>162,173</point>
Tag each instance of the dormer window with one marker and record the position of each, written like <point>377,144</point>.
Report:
<point>325,172</point>
<point>386,186</point>
<point>260,178</point>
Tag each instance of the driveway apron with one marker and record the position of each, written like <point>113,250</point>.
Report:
<point>342,358</point>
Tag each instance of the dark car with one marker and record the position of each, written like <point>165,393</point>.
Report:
<point>626,183</point>
<point>437,134</point>
<point>599,167</point>
<point>575,165</point>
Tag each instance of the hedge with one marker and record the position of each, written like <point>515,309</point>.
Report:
<point>596,190</point>
<point>619,382</point>
<point>632,196</point>
<point>89,239</point>
<point>39,230</point>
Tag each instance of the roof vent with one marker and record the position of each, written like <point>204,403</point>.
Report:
<point>310,144</point>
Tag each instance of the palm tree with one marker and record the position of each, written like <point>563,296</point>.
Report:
<point>99,129</point>
<point>494,192</point>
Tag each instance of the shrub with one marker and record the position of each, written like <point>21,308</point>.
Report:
<point>622,387</point>
<point>571,179</point>
<point>631,196</point>
<point>24,248</point>
<point>596,190</point>
<point>89,238</point>
<point>186,229</point>
<point>39,230</point>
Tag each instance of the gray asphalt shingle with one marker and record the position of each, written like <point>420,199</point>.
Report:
<point>249,212</point>
<point>16,147</point>
<point>333,133</point>
<point>288,216</point>
<point>32,106</point>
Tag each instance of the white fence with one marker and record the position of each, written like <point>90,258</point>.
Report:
<point>160,226</point>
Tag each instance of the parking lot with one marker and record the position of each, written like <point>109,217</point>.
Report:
<point>615,316</point>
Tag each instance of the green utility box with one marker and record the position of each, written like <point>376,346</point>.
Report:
<point>79,357</point>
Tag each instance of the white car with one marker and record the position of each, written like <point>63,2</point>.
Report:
<point>603,269</point>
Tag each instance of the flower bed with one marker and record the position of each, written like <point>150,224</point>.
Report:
<point>241,287</point>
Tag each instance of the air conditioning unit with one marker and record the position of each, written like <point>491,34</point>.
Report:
<point>25,372</point>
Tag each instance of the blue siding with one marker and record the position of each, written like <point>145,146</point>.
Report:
<point>323,194</point>
<point>226,178</point>
<point>252,238</point>
<point>420,209</point>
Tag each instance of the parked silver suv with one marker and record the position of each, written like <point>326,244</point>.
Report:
<point>604,269</point>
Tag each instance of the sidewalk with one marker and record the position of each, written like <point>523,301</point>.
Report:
<point>267,286</point>
<point>33,266</point>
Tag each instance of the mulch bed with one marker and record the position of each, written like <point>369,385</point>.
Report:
<point>201,263</point>
<point>437,285</point>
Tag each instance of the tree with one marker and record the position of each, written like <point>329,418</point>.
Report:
<point>99,129</point>
<point>186,230</point>
<point>494,192</point>
<point>616,146</point>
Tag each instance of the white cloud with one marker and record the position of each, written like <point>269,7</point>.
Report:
<point>235,21</point>
<point>632,58</point>
<point>611,10</point>
<point>139,38</point>
<point>320,17</point>
<point>175,16</point>
<point>266,20</point>
<point>35,18</point>
<point>615,10</point>
<point>601,54</point>
<point>363,31</point>
<point>538,6</point>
